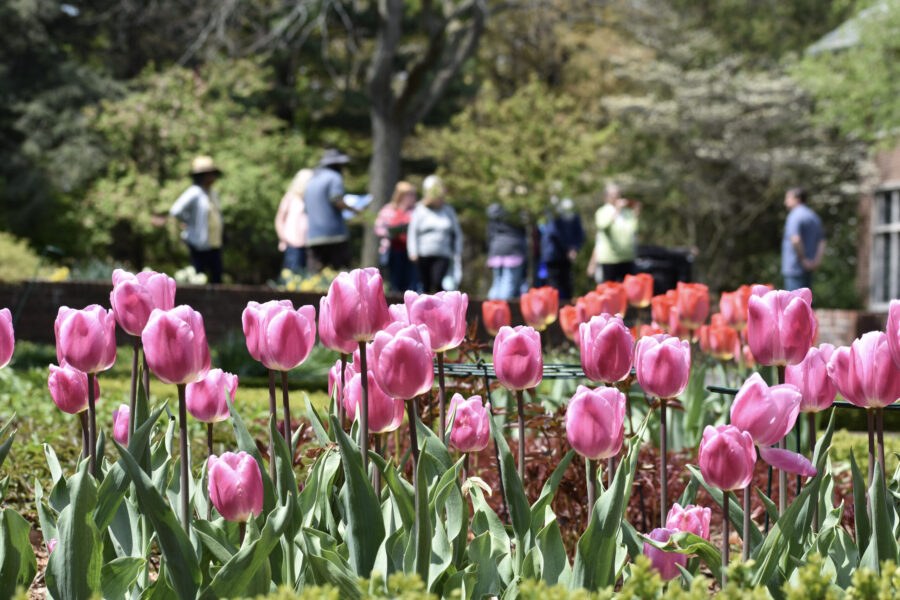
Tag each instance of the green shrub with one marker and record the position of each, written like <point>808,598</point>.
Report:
<point>19,261</point>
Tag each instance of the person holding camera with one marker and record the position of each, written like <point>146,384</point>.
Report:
<point>615,246</point>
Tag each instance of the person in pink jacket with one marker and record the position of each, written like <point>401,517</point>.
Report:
<point>291,223</point>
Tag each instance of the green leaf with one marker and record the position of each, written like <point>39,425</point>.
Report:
<point>17,563</point>
<point>634,542</point>
<point>554,561</point>
<point>118,576</point>
<point>5,447</point>
<point>769,505</point>
<point>689,543</point>
<point>437,448</point>
<point>883,546</point>
<point>214,537</point>
<point>487,580</point>
<point>316,422</point>
<point>423,527</point>
<point>735,512</point>
<point>690,492</point>
<point>402,493</point>
<point>862,526</point>
<point>519,509</point>
<point>365,527</point>
<point>176,548</point>
<point>549,491</point>
<point>286,484</point>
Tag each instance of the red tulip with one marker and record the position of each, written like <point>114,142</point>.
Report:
<point>570,318</point>
<point>7,337</point>
<point>693,304</point>
<point>811,378</point>
<point>607,349</point>
<point>471,429</point>
<point>278,336</point>
<point>539,307</point>
<point>327,334</point>
<point>443,314</point>
<point>175,345</point>
<point>663,365</point>
<point>86,339</point>
<point>403,361</point>
<point>676,326</point>
<point>660,306</point>
<point>766,413</point>
<point>616,295</point>
<point>235,486</point>
<point>723,341</point>
<point>358,306</point>
<point>733,306</point>
<point>692,519</point>
<point>664,563</point>
<point>595,421</point>
<point>385,413</point>
<point>781,325</point>
<point>865,373</point>
<point>496,314</point>
<point>121,417</point>
<point>726,457</point>
<point>207,399</point>
<point>518,361</point>
<point>745,357</point>
<point>639,289</point>
<point>69,389</point>
<point>135,295</point>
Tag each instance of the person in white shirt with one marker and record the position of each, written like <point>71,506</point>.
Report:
<point>200,211</point>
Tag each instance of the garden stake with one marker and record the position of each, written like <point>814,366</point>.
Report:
<point>487,394</point>
<point>364,409</point>
<point>663,479</point>
<point>782,475</point>
<point>340,401</point>
<point>442,403</point>
<point>185,460</point>
<point>745,551</point>
<point>520,404</point>
<point>870,420</point>
<point>92,425</point>
<point>591,486</point>
<point>643,508</point>
<point>272,413</point>
<point>287,411</point>
<point>132,400</point>
<point>85,444</point>
<point>725,535</point>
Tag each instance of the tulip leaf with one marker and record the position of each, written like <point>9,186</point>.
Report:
<point>770,506</point>
<point>423,537</point>
<point>487,580</point>
<point>447,482</point>
<point>365,526</point>
<point>5,447</point>
<point>634,542</point>
<point>176,548</point>
<point>17,562</point>
<point>485,520</point>
<point>286,483</point>
<point>861,524</point>
<point>554,561</point>
<point>685,542</point>
<point>549,491</point>
<point>315,499</point>
<point>689,495</point>
<point>326,570</point>
<point>117,577</point>
<point>45,514</point>
<point>436,448</point>
<point>519,509</point>
<point>735,512</point>
<point>73,570</point>
<point>316,422</point>
<point>403,494</point>
<point>214,537</point>
<point>883,545</point>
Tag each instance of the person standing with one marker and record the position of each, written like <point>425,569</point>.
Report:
<point>615,246</point>
<point>326,244</point>
<point>434,237</point>
<point>391,227</point>
<point>200,211</point>
<point>291,223</point>
<point>507,248</point>
<point>561,239</point>
<point>803,243</point>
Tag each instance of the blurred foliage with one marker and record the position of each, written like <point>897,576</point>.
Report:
<point>18,260</point>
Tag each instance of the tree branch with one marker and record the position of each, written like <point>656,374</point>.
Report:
<point>381,72</point>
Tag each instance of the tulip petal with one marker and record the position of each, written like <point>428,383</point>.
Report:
<point>787,461</point>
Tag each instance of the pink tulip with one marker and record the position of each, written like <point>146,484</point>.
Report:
<point>358,306</point>
<point>664,563</point>
<point>334,381</point>
<point>69,389</point>
<point>766,413</point>
<point>121,418</point>
<point>471,429</point>
<point>207,399</point>
<point>781,325</point>
<point>865,373</point>
<point>175,345</point>
<point>726,457</point>
<point>7,337</point>
<point>403,362</point>
<point>385,413</point>
<point>595,421</point>
<point>399,313</point>
<point>893,331</point>
<point>607,349</point>
<point>135,295</point>
<point>327,335</point>
<point>787,461</point>
<point>86,339</point>
<point>235,486</point>
<point>663,365</point>
<point>811,378</point>
<point>518,362</point>
<point>278,336</point>
<point>692,519</point>
<point>443,313</point>
<point>51,544</point>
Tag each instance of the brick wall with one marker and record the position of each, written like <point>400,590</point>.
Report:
<point>841,327</point>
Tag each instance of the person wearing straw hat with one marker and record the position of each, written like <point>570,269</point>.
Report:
<point>200,212</point>
<point>327,235</point>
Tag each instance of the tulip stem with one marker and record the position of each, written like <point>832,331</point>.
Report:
<point>747,524</point>
<point>520,404</point>
<point>242,530</point>
<point>85,436</point>
<point>879,428</point>
<point>185,459</point>
<point>487,395</point>
<point>811,419</point>
<point>286,403</point>
<point>798,427</point>
<point>209,453</point>
<point>145,376</point>
<point>465,467</point>
<point>870,419</point>
<point>725,535</point>
<point>413,439</point>
<point>591,486</point>
<point>272,413</point>
<point>663,475</point>
<point>442,401</point>
<point>132,400</point>
<point>92,425</point>
<point>340,399</point>
<point>782,475</point>
<point>364,409</point>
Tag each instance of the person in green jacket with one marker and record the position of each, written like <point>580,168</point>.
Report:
<point>615,243</point>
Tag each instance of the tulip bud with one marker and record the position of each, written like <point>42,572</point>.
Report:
<point>811,378</point>
<point>471,429</point>
<point>278,336</point>
<point>780,325</point>
<point>7,337</point>
<point>86,339</point>
<point>595,421</point>
<point>663,365</point>
<point>134,297</point>
<point>518,362</point>
<point>539,307</point>
<point>496,314</point>
<point>175,345</point>
<point>121,418</point>
<point>443,314</point>
<point>766,413</point>
<point>358,306</point>
<point>403,361</point>
<point>727,456</point>
<point>865,373</point>
<point>207,399</point>
<point>664,563</point>
<point>639,289</point>
<point>607,349</point>
<point>69,389</point>
<point>692,519</point>
<point>235,486</point>
<point>51,544</point>
<point>692,304</point>
<point>328,335</point>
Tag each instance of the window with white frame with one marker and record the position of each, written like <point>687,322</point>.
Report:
<point>885,261</point>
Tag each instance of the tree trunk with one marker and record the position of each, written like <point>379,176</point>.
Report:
<point>384,172</point>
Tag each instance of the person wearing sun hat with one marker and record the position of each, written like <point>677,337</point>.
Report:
<point>200,212</point>
<point>327,235</point>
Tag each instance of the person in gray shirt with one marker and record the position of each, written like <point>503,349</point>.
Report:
<point>434,237</point>
<point>327,244</point>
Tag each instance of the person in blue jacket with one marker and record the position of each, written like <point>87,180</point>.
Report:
<point>561,239</point>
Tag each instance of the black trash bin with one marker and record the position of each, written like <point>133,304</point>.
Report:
<point>668,266</point>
